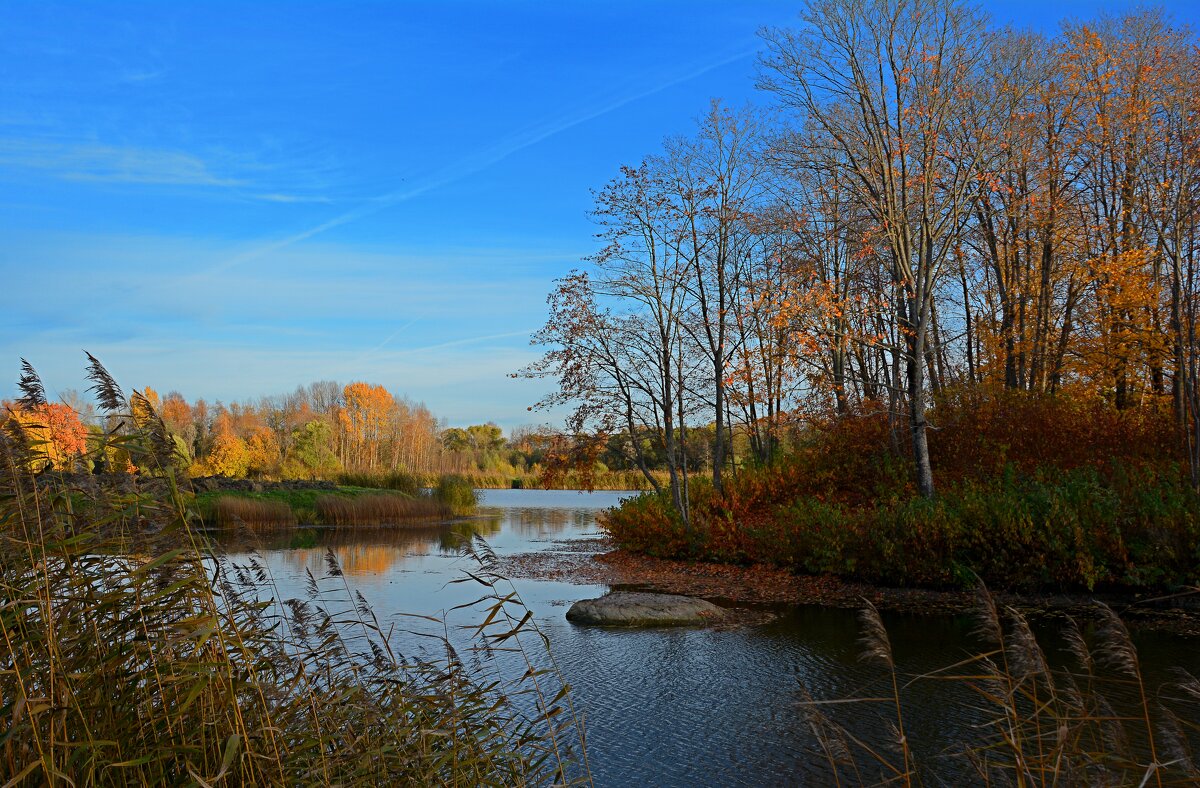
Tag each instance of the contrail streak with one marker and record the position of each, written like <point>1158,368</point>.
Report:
<point>469,165</point>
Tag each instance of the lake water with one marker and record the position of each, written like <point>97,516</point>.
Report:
<point>677,707</point>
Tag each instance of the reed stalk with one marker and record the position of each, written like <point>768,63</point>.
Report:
<point>135,652</point>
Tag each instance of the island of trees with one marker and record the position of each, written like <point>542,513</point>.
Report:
<point>931,314</point>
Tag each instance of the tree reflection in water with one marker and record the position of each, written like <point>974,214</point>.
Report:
<point>547,522</point>
<point>361,551</point>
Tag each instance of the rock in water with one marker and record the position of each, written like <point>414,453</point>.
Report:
<point>636,609</point>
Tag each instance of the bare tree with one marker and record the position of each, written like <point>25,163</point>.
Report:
<point>616,336</point>
<point>888,81</point>
<point>714,180</point>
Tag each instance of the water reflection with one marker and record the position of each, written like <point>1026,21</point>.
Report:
<point>541,523</point>
<point>682,707</point>
<point>360,551</point>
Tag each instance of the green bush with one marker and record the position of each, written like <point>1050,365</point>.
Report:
<point>457,493</point>
<point>398,480</point>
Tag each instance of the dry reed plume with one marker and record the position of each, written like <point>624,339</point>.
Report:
<point>1093,723</point>
<point>135,653</point>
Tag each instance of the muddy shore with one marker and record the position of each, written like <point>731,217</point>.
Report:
<point>597,561</point>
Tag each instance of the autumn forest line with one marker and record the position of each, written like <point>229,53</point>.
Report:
<point>321,430</point>
<point>929,209</point>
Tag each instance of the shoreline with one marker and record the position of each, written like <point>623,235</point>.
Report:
<point>596,561</point>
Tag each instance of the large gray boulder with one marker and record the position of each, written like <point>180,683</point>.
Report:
<point>637,609</point>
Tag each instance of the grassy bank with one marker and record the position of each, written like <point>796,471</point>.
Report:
<point>1033,495</point>
<point>1071,530</point>
<point>277,506</point>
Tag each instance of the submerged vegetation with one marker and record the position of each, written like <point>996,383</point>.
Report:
<point>137,653</point>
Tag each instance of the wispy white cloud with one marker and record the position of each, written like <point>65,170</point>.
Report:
<point>93,162</point>
<point>132,281</point>
<point>294,317</point>
<point>479,161</point>
<point>238,177</point>
<point>464,342</point>
<point>138,76</point>
<point>388,339</point>
<point>291,198</point>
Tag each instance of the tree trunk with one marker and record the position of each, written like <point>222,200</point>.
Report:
<point>914,341</point>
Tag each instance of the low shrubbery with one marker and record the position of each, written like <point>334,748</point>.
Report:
<point>1095,506</point>
<point>456,493</point>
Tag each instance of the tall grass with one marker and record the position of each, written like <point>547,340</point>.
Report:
<point>1094,722</point>
<point>397,480</point>
<point>229,511</point>
<point>379,509</point>
<point>132,652</point>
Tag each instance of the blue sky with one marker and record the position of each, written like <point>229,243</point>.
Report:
<point>231,199</point>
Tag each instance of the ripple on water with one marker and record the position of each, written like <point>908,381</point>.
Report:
<point>681,707</point>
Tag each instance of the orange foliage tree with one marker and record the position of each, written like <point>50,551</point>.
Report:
<point>262,451</point>
<point>229,455</point>
<point>54,430</point>
<point>363,419</point>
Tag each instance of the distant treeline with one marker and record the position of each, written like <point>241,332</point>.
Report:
<point>359,434</point>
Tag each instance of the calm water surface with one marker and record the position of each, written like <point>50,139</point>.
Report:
<point>673,707</point>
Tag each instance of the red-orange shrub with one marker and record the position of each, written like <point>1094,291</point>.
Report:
<point>1034,492</point>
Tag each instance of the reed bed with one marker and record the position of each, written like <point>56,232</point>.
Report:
<point>230,511</point>
<point>1094,722</point>
<point>398,480</point>
<point>133,652</point>
<point>379,509</point>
